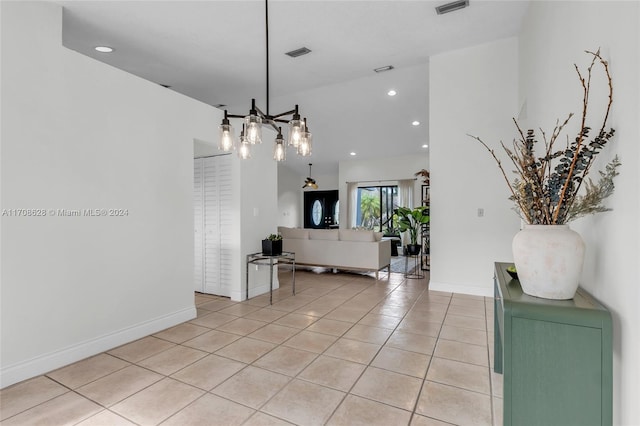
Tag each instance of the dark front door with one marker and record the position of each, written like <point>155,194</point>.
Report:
<point>321,209</point>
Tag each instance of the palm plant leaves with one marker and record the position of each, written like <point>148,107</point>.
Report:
<point>410,220</point>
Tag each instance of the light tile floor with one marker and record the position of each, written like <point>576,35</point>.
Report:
<point>346,350</point>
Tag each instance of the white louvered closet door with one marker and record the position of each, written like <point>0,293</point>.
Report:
<point>198,225</point>
<point>217,221</point>
<point>227,218</point>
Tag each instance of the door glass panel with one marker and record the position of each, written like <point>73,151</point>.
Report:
<point>375,207</point>
<point>316,212</point>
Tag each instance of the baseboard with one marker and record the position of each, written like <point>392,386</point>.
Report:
<point>239,296</point>
<point>50,361</point>
<point>461,288</point>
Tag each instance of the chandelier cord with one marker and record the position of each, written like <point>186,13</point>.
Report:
<point>266,16</point>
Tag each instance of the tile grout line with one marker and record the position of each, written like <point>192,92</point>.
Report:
<point>321,353</point>
<point>374,357</point>
<point>424,380</point>
<point>397,288</point>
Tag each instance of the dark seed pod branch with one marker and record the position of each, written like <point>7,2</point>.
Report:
<point>546,188</point>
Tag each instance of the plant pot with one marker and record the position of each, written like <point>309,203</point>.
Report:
<point>271,248</point>
<point>413,249</point>
<point>549,260</point>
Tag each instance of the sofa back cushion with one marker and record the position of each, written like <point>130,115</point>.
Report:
<point>324,234</point>
<point>353,235</point>
<point>294,233</point>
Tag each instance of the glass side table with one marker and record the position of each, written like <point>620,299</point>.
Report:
<point>286,257</point>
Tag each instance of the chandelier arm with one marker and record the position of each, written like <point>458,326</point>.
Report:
<point>278,120</point>
<point>235,116</point>
<point>272,124</point>
<point>262,114</point>
<point>282,114</point>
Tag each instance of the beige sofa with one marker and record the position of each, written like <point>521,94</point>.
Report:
<point>338,248</point>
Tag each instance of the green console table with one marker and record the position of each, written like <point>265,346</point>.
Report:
<point>555,356</point>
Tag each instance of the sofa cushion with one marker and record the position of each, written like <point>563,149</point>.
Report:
<point>324,234</point>
<point>294,233</point>
<point>352,235</point>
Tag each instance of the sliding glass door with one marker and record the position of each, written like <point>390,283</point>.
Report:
<point>375,205</point>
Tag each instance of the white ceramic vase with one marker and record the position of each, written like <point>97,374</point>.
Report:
<point>549,260</point>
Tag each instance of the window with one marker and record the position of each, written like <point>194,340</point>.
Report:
<point>375,205</point>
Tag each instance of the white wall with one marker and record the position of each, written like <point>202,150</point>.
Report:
<point>550,87</point>
<point>472,91</point>
<point>290,200</point>
<point>380,169</point>
<point>78,134</point>
<point>258,213</point>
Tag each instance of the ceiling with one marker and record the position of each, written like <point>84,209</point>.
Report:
<point>214,51</point>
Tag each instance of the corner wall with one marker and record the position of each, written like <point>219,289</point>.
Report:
<point>550,87</point>
<point>472,91</point>
<point>78,134</point>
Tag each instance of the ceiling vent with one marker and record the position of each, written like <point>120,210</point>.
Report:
<point>383,69</point>
<point>298,52</point>
<point>450,7</point>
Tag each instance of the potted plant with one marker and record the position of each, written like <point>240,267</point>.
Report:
<point>272,245</point>
<point>547,254</point>
<point>411,221</point>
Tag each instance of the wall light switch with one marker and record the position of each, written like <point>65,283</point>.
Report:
<point>256,212</point>
<point>480,212</point>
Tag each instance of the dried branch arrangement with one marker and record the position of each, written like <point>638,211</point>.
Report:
<point>545,190</point>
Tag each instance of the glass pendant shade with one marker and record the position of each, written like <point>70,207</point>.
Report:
<point>295,132</point>
<point>254,129</point>
<point>244,150</point>
<point>253,123</point>
<point>226,140</point>
<point>296,127</point>
<point>244,147</point>
<point>279,150</point>
<point>304,148</point>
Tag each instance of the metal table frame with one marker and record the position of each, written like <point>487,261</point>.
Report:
<point>287,257</point>
<point>417,270</point>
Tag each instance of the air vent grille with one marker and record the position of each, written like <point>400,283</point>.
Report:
<point>383,69</point>
<point>298,52</point>
<point>450,7</point>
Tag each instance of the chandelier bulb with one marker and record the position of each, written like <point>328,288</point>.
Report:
<point>253,122</point>
<point>279,150</point>
<point>306,141</point>
<point>244,147</point>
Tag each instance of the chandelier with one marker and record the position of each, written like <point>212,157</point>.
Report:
<point>299,137</point>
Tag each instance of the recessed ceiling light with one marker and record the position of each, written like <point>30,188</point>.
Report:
<point>415,123</point>
<point>104,49</point>
<point>425,146</point>
<point>352,153</point>
<point>392,93</point>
